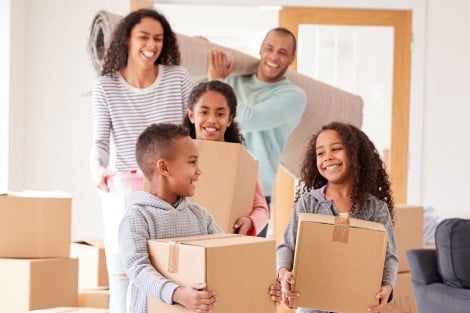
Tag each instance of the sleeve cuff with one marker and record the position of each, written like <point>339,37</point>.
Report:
<point>166,293</point>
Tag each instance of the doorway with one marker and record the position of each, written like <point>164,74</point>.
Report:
<point>294,18</point>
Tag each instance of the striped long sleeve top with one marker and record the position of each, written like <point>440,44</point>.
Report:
<point>121,112</point>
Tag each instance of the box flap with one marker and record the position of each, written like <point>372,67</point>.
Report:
<point>98,243</point>
<point>38,194</point>
<point>330,219</point>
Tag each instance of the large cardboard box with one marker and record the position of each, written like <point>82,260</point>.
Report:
<point>403,297</point>
<point>30,284</point>
<point>35,225</point>
<point>239,269</point>
<point>338,263</point>
<point>227,184</point>
<point>92,272</point>
<point>94,298</point>
<point>408,232</point>
<point>70,310</point>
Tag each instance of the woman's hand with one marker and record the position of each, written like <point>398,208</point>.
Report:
<point>101,178</point>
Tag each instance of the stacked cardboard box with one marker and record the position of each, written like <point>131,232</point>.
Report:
<point>92,273</point>
<point>408,235</point>
<point>35,266</point>
<point>238,268</point>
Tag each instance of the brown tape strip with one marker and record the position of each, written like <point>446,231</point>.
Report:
<point>173,257</point>
<point>341,229</point>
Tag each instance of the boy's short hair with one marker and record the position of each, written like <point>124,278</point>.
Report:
<point>157,142</point>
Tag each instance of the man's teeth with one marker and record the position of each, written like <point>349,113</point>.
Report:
<point>272,64</point>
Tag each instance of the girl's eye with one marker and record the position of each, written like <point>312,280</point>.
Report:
<point>337,149</point>
<point>319,154</point>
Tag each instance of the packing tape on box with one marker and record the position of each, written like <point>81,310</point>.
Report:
<point>341,229</point>
<point>173,253</point>
<point>173,257</point>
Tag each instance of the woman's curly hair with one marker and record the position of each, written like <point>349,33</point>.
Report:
<point>232,133</point>
<point>367,168</point>
<point>117,53</point>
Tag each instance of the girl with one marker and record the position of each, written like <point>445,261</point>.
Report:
<point>342,174</point>
<point>141,83</point>
<point>211,111</point>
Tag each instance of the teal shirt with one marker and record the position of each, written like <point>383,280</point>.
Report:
<point>267,114</point>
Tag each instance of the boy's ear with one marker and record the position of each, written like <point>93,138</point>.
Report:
<point>191,115</point>
<point>162,167</point>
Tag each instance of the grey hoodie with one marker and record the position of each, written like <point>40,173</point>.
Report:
<point>314,201</point>
<point>149,217</point>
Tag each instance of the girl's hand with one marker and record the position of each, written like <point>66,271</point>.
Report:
<point>101,178</point>
<point>195,297</point>
<point>382,296</point>
<point>243,225</point>
<point>287,280</point>
<point>275,291</point>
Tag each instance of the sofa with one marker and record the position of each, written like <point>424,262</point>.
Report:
<point>441,276</point>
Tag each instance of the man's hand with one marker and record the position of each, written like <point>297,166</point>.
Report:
<point>218,65</point>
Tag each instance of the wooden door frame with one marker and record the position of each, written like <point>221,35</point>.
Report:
<point>401,21</point>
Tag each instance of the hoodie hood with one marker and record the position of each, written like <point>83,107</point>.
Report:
<point>145,199</point>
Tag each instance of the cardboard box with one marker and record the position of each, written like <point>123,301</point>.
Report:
<point>30,284</point>
<point>239,269</point>
<point>92,271</point>
<point>227,184</point>
<point>35,225</point>
<point>408,232</point>
<point>94,298</point>
<point>403,297</point>
<point>71,310</point>
<point>338,263</point>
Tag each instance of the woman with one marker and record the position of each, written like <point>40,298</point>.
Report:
<point>141,83</point>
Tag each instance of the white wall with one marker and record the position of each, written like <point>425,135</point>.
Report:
<point>51,114</point>
<point>446,166</point>
<point>52,75</point>
<point>5,15</point>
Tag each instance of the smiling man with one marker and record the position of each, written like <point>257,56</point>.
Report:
<point>269,105</point>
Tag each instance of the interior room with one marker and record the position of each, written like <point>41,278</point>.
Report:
<point>47,75</point>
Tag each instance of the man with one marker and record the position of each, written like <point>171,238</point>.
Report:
<point>269,105</point>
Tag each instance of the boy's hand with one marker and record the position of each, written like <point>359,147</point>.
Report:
<point>382,296</point>
<point>275,292</point>
<point>218,65</point>
<point>287,280</point>
<point>243,225</point>
<point>195,297</point>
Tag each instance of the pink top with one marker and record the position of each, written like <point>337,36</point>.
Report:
<point>260,214</point>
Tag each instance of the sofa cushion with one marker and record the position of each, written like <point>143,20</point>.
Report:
<point>453,251</point>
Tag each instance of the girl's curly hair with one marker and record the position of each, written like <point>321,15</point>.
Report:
<point>232,133</point>
<point>367,168</point>
<point>117,53</point>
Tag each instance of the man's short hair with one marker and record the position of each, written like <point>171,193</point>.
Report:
<point>157,142</point>
<point>284,31</point>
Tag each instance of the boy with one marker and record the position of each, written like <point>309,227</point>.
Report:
<point>169,160</point>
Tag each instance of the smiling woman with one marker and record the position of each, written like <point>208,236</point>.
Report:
<point>141,83</point>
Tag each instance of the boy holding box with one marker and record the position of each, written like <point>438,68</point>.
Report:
<point>169,160</point>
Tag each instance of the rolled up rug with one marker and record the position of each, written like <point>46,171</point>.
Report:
<point>193,49</point>
<point>101,31</point>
